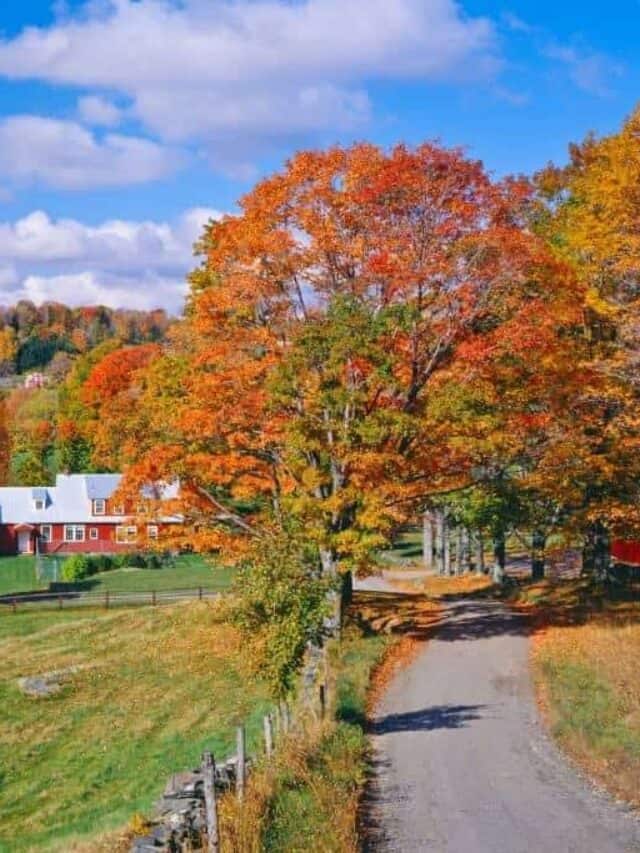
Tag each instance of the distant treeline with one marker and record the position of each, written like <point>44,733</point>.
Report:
<point>35,337</point>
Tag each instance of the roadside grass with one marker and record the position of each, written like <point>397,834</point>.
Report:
<point>437,587</point>
<point>586,648</point>
<point>406,549</point>
<point>153,688</point>
<point>308,798</point>
<point>18,574</point>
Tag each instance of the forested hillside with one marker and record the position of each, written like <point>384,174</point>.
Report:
<point>40,414</point>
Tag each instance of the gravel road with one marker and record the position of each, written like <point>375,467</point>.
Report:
<point>461,763</point>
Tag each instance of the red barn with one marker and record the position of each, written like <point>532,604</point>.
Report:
<point>78,514</point>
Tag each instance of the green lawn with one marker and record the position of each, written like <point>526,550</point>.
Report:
<point>154,687</point>
<point>17,574</point>
<point>406,549</point>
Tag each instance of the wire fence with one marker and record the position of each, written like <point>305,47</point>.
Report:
<point>65,599</point>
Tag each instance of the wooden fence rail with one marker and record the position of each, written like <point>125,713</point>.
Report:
<point>105,599</point>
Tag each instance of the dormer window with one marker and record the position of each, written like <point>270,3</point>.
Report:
<point>99,507</point>
<point>39,503</point>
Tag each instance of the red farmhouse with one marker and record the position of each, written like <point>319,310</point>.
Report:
<point>78,514</point>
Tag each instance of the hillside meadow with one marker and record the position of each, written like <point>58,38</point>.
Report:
<point>149,690</point>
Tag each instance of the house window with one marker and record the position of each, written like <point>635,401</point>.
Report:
<point>39,504</point>
<point>99,507</point>
<point>46,533</point>
<point>74,533</point>
<point>118,510</point>
<point>152,531</point>
<point>126,535</point>
<point>93,533</point>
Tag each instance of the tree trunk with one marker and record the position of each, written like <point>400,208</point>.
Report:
<point>499,556</point>
<point>447,548</point>
<point>596,554</point>
<point>333,622</point>
<point>459,554</point>
<point>427,541</point>
<point>602,549</point>
<point>466,550</point>
<point>538,542</point>
<point>440,540</point>
<point>480,569</point>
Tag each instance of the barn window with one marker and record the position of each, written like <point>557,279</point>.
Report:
<point>93,533</point>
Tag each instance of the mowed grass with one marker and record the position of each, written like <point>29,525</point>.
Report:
<point>154,687</point>
<point>586,653</point>
<point>187,571</point>
<point>18,574</point>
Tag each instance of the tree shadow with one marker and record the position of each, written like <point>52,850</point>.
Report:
<point>480,620</point>
<point>427,719</point>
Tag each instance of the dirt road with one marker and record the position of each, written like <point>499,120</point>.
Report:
<point>462,764</point>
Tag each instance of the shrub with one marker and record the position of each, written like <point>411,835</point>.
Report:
<point>281,606</point>
<point>76,568</point>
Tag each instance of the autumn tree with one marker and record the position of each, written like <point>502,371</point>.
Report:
<point>590,214</point>
<point>318,333</point>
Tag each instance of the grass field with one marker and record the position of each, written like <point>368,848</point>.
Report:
<point>153,688</point>
<point>586,652</point>
<point>17,574</point>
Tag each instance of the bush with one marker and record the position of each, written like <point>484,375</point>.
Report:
<point>76,568</point>
<point>281,606</point>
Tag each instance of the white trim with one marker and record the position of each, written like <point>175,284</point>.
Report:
<point>94,533</point>
<point>152,531</point>
<point>99,502</point>
<point>48,537</point>
<point>77,533</point>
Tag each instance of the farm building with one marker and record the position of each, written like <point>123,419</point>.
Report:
<point>78,514</point>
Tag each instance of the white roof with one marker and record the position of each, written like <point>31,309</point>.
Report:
<point>69,501</point>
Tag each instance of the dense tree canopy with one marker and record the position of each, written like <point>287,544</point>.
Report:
<point>371,329</point>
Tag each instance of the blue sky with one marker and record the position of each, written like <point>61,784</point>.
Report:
<point>125,124</point>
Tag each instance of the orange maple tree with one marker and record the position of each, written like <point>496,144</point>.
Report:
<point>320,331</point>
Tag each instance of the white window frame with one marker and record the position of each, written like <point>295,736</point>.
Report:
<point>117,510</point>
<point>152,531</point>
<point>102,504</point>
<point>48,535</point>
<point>126,534</point>
<point>93,533</point>
<point>74,533</point>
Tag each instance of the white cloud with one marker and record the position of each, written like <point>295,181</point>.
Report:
<point>590,71</point>
<point>117,263</point>
<point>98,111</point>
<point>64,155</point>
<point>223,71</point>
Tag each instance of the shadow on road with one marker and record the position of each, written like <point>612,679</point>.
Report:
<point>427,719</point>
<point>477,620</point>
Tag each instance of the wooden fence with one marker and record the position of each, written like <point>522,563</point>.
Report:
<point>64,599</point>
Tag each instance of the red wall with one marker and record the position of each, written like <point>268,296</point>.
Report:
<point>626,552</point>
<point>8,540</point>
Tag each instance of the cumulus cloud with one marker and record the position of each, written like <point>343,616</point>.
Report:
<point>64,155</point>
<point>218,70</point>
<point>119,263</point>
<point>98,111</point>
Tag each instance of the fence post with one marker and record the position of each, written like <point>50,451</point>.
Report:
<point>106,599</point>
<point>199,593</point>
<point>14,606</point>
<point>211,805</point>
<point>322,695</point>
<point>59,602</point>
<point>153,598</point>
<point>242,764</point>
<point>268,735</point>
